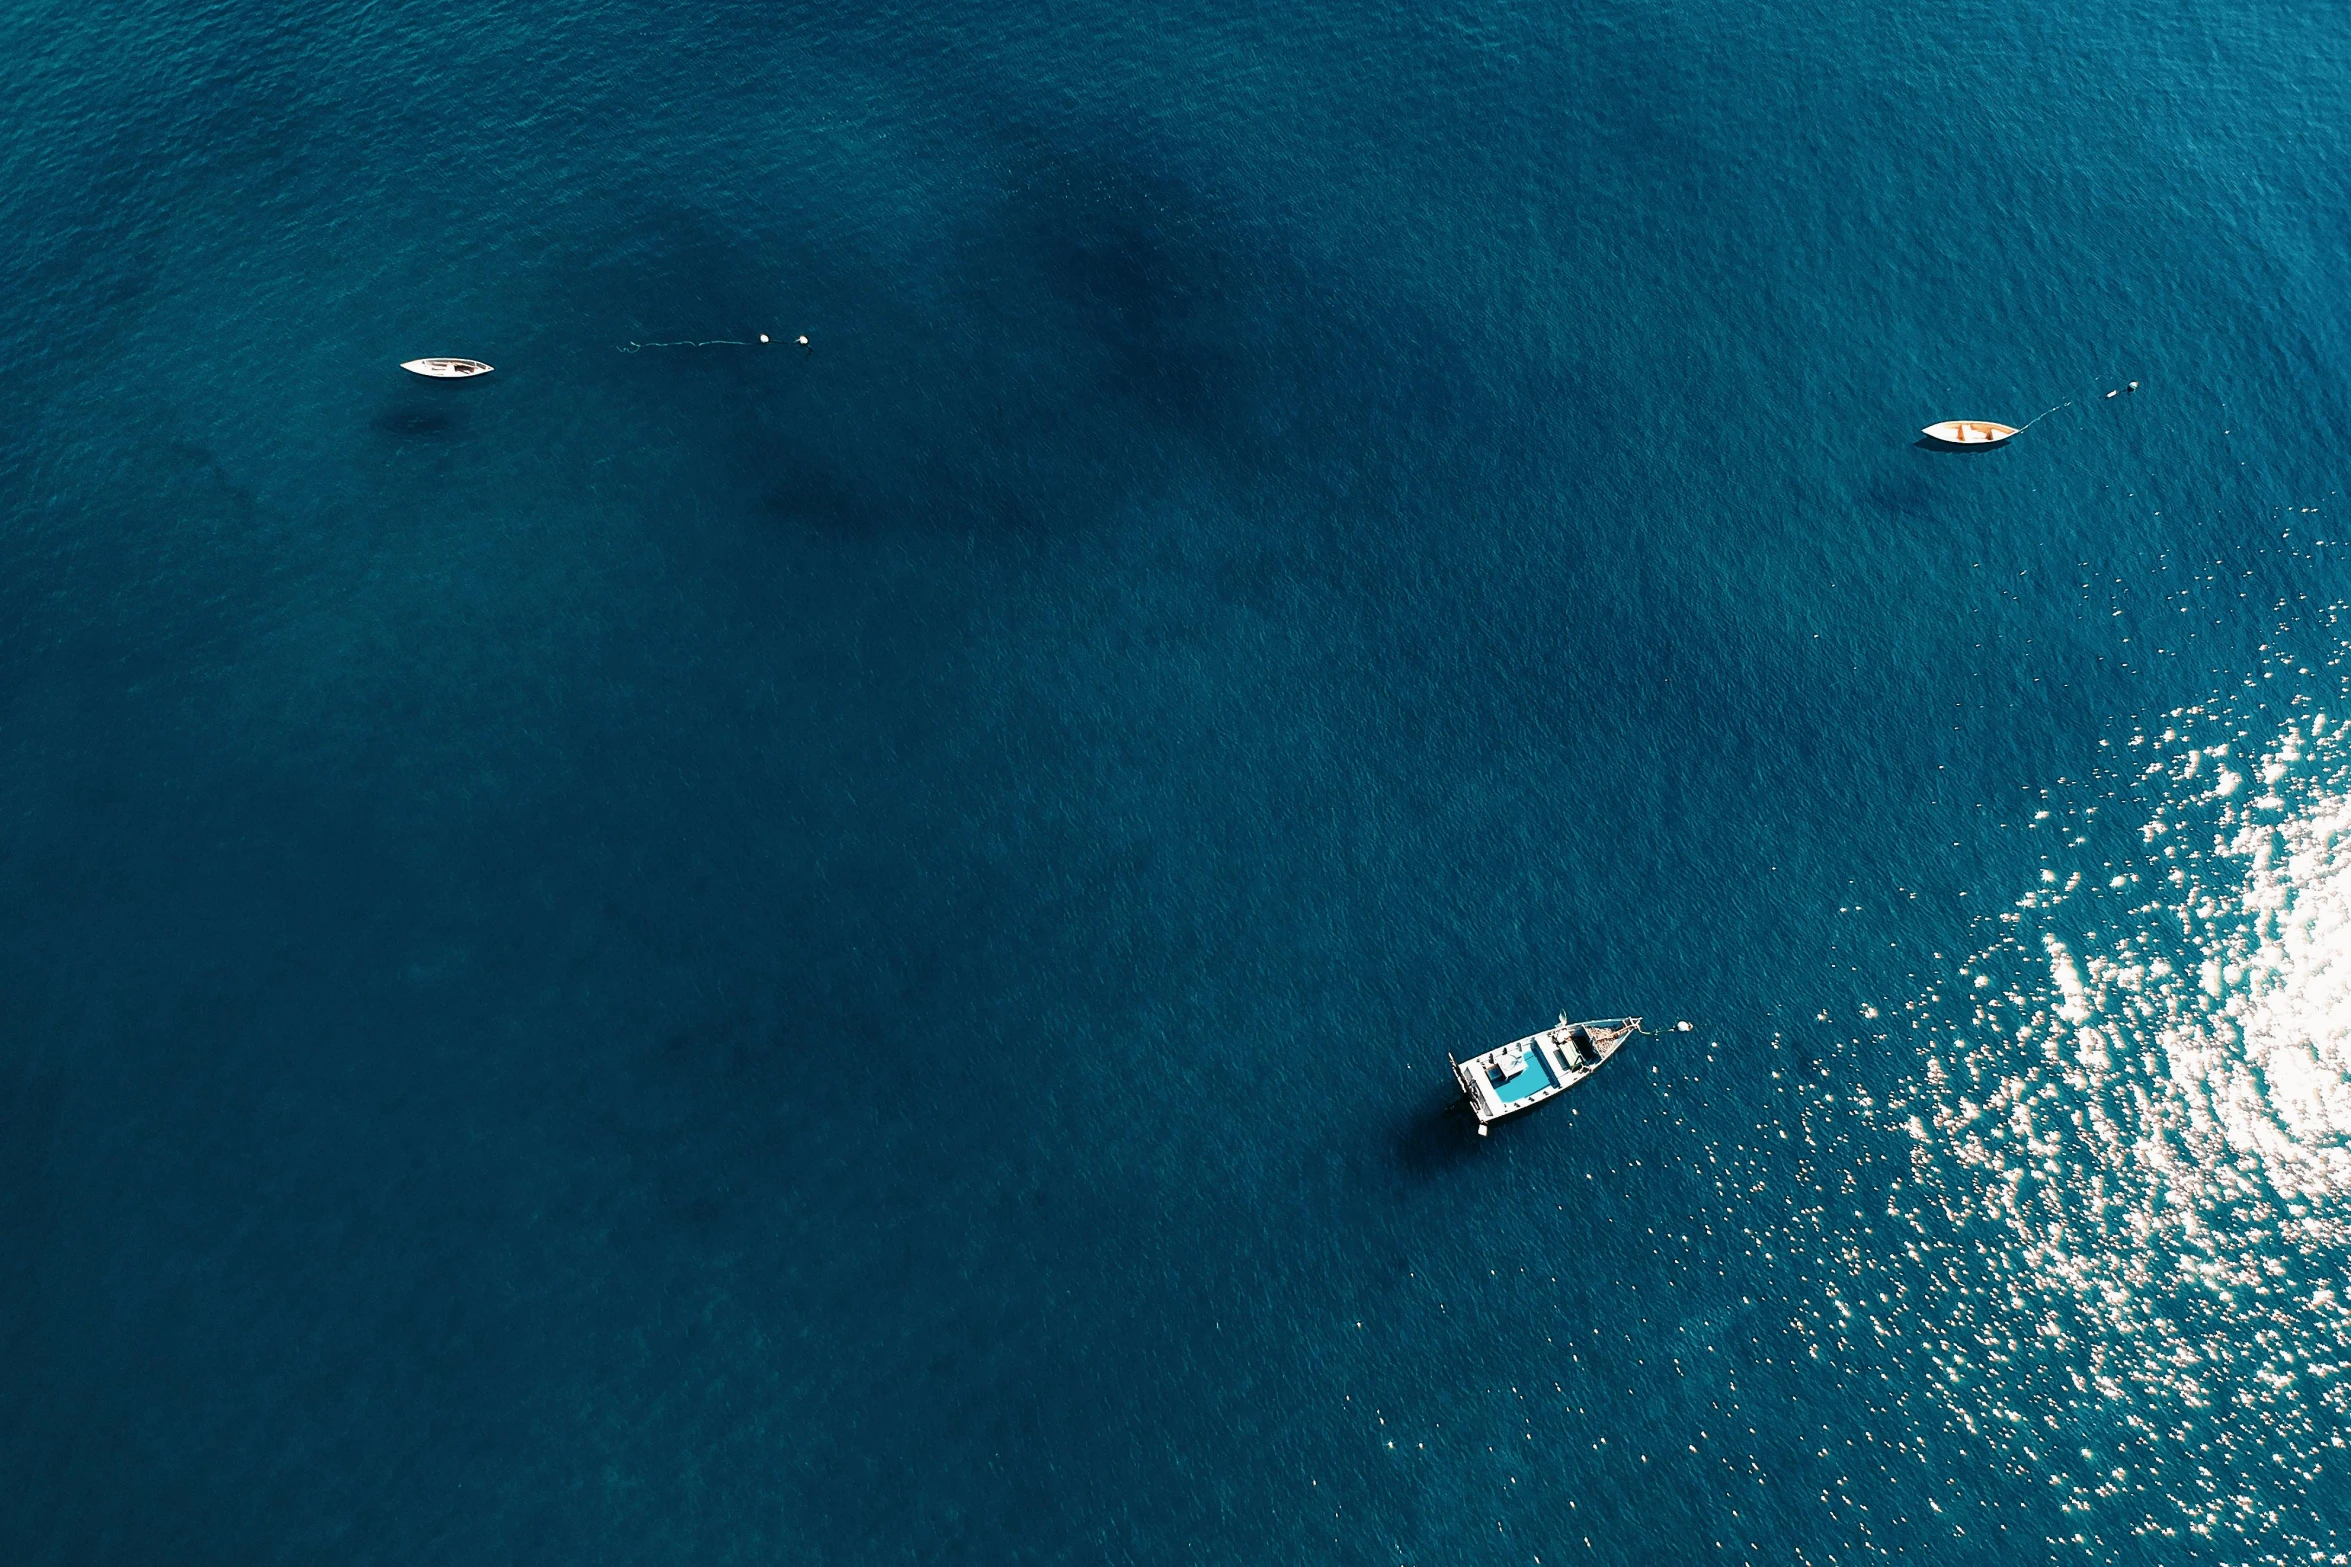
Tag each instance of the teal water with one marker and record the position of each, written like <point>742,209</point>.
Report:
<point>725,954</point>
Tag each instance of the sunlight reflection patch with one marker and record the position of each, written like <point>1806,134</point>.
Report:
<point>2130,1160</point>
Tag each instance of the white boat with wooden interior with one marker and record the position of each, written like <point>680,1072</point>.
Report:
<point>447,369</point>
<point>1968,432</point>
<point>1510,1078</point>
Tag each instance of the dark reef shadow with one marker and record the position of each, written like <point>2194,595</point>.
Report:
<point>1133,326</point>
<point>1903,495</point>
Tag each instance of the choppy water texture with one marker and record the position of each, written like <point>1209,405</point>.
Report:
<point>717,953</point>
<point>2121,1242</point>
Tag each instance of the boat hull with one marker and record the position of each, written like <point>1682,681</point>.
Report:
<point>447,369</point>
<point>1522,1074</point>
<point>1969,432</point>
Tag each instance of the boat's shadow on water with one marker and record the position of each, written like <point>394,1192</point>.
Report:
<point>1927,443</point>
<point>1436,1136</point>
<point>420,420</point>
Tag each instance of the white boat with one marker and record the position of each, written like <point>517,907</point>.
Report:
<point>447,369</point>
<point>1510,1078</point>
<point>1968,432</point>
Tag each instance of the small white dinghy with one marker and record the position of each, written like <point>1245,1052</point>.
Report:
<point>447,369</point>
<point>1968,432</point>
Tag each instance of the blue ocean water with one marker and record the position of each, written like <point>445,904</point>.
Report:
<point>728,954</point>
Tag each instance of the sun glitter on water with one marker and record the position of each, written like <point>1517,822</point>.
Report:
<point>2130,1166</point>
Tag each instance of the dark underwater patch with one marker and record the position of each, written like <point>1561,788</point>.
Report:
<point>421,421</point>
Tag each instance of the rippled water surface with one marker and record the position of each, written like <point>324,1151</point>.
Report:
<point>713,951</point>
<point>2119,1247</point>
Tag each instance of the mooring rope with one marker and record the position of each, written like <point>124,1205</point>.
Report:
<point>714,342</point>
<point>2069,402</point>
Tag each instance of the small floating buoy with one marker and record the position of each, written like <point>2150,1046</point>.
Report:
<point>2115,393</point>
<point>763,338</point>
<point>2134,386</point>
<point>1481,1131</point>
<point>804,340</point>
<point>1684,1026</point>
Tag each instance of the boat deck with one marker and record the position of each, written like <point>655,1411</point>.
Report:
<point>1509,1078</point>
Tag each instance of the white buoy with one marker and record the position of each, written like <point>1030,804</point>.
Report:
<point>1684,1026</point>
<point>763,337</point>
<point>804,340</point>
<point>1481,1131</point>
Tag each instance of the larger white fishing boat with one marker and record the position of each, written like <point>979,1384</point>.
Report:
<point>1509,1078</point>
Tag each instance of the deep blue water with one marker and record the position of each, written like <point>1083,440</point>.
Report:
<point>733,955</point>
